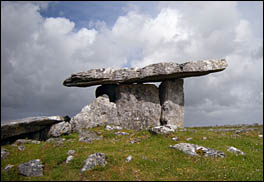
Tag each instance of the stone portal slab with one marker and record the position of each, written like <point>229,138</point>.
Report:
<point>138,106</point>
<point>171,93</point>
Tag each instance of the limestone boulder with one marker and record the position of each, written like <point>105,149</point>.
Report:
<point>31,168</point>
<point>151,73</point>
<point>138,106</point>
<point>58,129</point>
<point>94,160</point>
<point>100,112</point>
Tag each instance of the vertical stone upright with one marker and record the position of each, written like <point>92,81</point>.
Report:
<point>138,106</point>
<point>171,93</point>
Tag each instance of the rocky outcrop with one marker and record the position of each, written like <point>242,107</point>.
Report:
<point>151,73</point>
<point>98,113</point>
<point>196,150</point>
<point>31,168</point>
<point>33,127</point>
<point>171,95</point>
<point>138,106</point>
<point>94,160</point>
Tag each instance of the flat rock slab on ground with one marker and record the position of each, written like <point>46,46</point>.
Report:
<point>151,73</point>
<point>196,150</point>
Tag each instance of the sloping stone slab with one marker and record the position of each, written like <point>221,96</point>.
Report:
<point>27,125</point>
<point>151,73</point>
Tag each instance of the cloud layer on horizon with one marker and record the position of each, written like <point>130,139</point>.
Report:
<point>38,53</point>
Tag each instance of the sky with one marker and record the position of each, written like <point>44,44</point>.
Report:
<point>43,43</point>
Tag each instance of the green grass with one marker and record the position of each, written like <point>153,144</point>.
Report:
<point>152,159</point>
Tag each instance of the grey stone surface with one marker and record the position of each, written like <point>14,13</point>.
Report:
<point>234,150</point>
<point>31,168</point>
<point>100,112</point>
<point>171,93</point>
<point>26,141</point>
<point>58,129</point>
<point>138,106</point>
<point>164,129</point>
<point>109,127</point>
<point>129,158</point>
<point>21,147</point>
<point>71,152</point>
<point>4,153</point>
<point>94,160</point>
<point>88,136</point>
<point>151,73</point>
<point>69,158</point>
<point>175,138</point>
<point>120,133</point>
<point>9,166</point>
<point>27,125</point>
<point>57,141</point>
<point>196,150</point>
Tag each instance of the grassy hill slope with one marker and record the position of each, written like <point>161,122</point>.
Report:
<point>152,158</point>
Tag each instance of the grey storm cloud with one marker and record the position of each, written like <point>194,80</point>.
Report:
<point>38,53</point>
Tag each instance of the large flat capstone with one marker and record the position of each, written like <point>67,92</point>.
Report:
<point>151,73</point>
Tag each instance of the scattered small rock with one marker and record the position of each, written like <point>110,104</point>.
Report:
<point>71,152</point>
<point>93,160</point>
<point>196,150</point>
<point>4,153</point>
<point>57,141</point>
<point>235,150</point>
<point>136,140</point>
<point>31,168</point>
<point>175,138</point>
<point>21,147</point>
<point>204,138</point>
<point>88,136</point>
<point>164,129</point>
<point>188,139</point>
<point>121,133</point>
<point>9,166</point>
<point>260,136</point>
<point>129,158</point>
<point>26,141</point>
<point>109,127</point>
<point>69,158</point>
